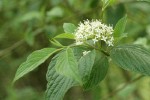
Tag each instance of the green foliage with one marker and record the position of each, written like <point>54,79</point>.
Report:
<point>85,65</point>
<point>69,27</point>
<point>30,15</point>
<point>30,38</point>
<point>56,43</point>
<point>65,36</point>
<point>28,25</point>
<point>132,57</point>
<point>57,84</point>
<point>33,61</point>
<point>67,65</point>
<point>55,12</point>
<point>120,27</point>
<point>98,71</point>
<point>106,3</point>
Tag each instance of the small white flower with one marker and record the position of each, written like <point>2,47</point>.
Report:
<point>110,43</point>
<point>94,40</point>
<point>94,30</point>
<point>104,38</point>
<point>86,52</point>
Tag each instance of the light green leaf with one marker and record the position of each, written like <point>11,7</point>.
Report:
<point>132,58</point>
<point>65,36</point>
<point>56,12</point>
<point>98,72</point>
<point>67,65</point>
<point>58,84</point>
<point>85,65</point>
<point>33,61</point>
<point>120,27</point>
<point>69,27</point>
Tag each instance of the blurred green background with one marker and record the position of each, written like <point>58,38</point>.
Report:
<point>27,25</point>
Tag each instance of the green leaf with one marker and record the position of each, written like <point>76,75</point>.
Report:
<point>33,61</point>
<point>56,43</point>
<point>120,27</point>
<point>56,12</point>
<point>85,65</point>
<point>92,67</point>
<point>106,3</point>
<point>30,38</point>
<point>65,36</point>
<point>78,52</point>
<point>30,15</point>
<point>57,84</point>
<point>132,58</point>
<point>69,27</point>
<point>67,65</point>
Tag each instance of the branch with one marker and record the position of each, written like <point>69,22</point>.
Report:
<point>119,88</point>
<point>6,51</point>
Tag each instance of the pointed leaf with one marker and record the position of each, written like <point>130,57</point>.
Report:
<point>120,27</point>
<point>132,57</point>
<point>33,61</point>
<point>69,27</point>
<point>65,36</point>
<point>67,65</point>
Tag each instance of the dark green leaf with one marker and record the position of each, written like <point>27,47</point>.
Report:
<point>67,65</point>
<point>57,85</point>
<point>69,27</point>
<point>120,27</point>
<point>85,65</point>
<point>132,57</point>
<point>78,52</point>
<point>99,69</point>
<point>33,61</point>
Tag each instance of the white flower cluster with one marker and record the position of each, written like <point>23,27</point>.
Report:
<point>94,30</point>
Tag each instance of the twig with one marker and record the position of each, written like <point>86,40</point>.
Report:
<point>119,88</point>
<point>6,51</point>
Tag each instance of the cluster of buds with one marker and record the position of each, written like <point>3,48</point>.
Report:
<point>94,30</point>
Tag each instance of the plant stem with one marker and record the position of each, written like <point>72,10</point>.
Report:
<point>118,89</point>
